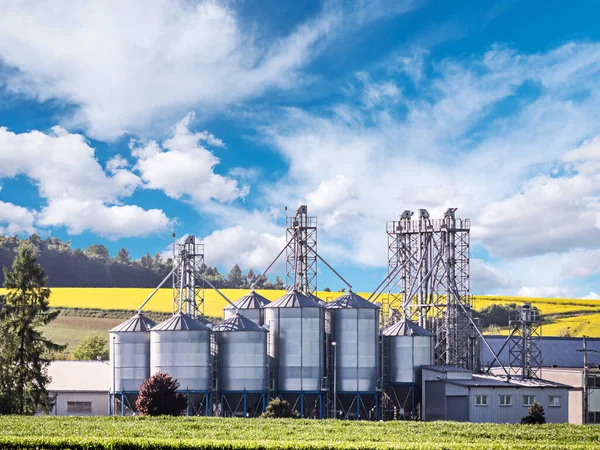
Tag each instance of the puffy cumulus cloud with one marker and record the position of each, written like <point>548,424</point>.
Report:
<point>544,292</point>
<point>63,165</point>
<point>114,222</point>
<point>487,278</point>
<point>79,194</point>
<point>243,246</point>
<point>450,148</point>
<point>183,167</point>
<point>550,213</point>
<point>123,64</point>
<point>15,220</point>
<point>592,296</point>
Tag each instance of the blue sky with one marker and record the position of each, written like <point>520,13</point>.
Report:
<point>121,123</point>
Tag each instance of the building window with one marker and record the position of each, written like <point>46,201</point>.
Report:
<point>481,400</point>
<point>506,400</point>
<point>554,400</point>
<point>528,400</point>
<point>79,407</point>
<point>593,417</point>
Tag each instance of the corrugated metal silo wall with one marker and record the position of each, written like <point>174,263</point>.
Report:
<point>184,355</point>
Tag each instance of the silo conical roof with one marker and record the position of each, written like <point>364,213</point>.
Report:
<point>294,299</point>
<point>139,322</point>
<point>180,322</point>
<point>252,300</point>
<point>237,322</point>
<point>406,328</point>
<point>352,301</point>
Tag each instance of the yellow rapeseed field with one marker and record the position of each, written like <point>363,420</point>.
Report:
<point>587,320</point>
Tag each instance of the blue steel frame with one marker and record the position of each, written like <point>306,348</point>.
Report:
<point>357,398</point>
<point>123,396</point>
<point>301,395</point>
<point>412,389</point>
<point>244,398</point>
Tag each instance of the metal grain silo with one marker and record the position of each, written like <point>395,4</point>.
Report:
<point>297,335</point>
<point>250,305</point>
<point>355,325</point>
<point>180,346</point>
<point>130,353</point>
<point>242,361</point>
<point>410,347</point>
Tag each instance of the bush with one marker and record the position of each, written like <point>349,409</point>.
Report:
<point>535,415</point>
<point>91,347</point>
<point>158,396</point>
<point>279,409</point>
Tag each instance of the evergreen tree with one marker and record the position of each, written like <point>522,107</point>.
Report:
<point>24,352</point>
<point>249,278</point>
<point>279,284</point>
<point>123,257</point>
<point>234,277</point>
<point>97,251</point>
<point>535,415</point>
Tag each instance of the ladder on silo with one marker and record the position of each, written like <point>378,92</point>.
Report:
<point>327,385</point>
<point>214,353</point>
<point>383,384</point>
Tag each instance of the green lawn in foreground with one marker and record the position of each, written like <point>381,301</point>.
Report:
<point>217,433</point>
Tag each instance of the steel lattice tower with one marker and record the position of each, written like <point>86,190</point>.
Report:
<point>428,266</point>
<point>188,288</point>
<point>525,341</point>
<point>301,251</point>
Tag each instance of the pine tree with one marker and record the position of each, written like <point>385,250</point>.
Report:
<point>535,415</point>
<point>234,278</point>
<point>24,351</point>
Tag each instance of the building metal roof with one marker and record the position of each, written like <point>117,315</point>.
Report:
<point>252,300</point>
<point>556,351</point>
<point>406,328</point>
<point>294,299</point>
<point>496,381</point>
<point>352,301</point>
<point>445,368</point>
<point>139,322</point>
<point>238,322</point>
<point>79,376</point>
<point>180,322</point>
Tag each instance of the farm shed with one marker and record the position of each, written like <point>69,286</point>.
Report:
<point>562,362</point>
<point>458,395</point>
<point>79,388</point>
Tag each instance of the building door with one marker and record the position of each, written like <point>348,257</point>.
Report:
<point>457,408</point>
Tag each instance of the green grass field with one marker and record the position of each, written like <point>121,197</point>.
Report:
<point>70,330</point>
<point>268,434</point>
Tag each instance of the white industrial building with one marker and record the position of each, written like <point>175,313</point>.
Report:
<point>79,388</point>
<point>563,362</point>
<point>452,393</point>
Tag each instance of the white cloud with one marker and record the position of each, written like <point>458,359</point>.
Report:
<point>114,222</point>
<point>125,65</point>
<point>16,220</point>
<point>486,278</point>
<point>243,246</point>
<point>79,193</point>
<point>62,165</point>
<point>544,292</point>
<point>551,213</point>
<point>592,296</point>
<point>185,168</point>
<point>452,148</point>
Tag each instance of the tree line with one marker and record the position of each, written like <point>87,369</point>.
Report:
<point>94,267</point>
